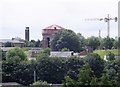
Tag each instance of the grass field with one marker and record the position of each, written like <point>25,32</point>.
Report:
<point>103,52</point>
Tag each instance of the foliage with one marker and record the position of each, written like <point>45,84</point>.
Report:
<point>38,43</point>
<point>2,55</point>
<point>93,42</point>
<point>26,49</point>
<point>75,71</point>
<point>96,63</point>
<point>82,41</point>
<point>33,43</point>
<point>16,54</point>
<point>104,80</point>
<point>112,71</point>
<point>47,51</point>
<point>110,56</point>
<point>41,56</point>
<point>40,83</point>
<point>68,82</point>
<point>9,44</point>
<point>65,39</point>
<point>86,76</point>
<point>65,49</point>
<point>73,65</point>
<point>51,70</point>
<point>108,42</point>
<point>21,72</point>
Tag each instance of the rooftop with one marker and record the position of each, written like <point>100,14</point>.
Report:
<point>10,40</point>
<point>54,27</point>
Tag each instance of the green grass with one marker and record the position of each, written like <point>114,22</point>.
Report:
<point>103,52</point>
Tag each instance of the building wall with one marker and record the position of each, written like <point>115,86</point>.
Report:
<point>47,34</point>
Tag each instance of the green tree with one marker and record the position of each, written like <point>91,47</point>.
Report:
<point>73,65</point>
<point>51,70</point>
<point>16,54</point>
<point>2,55</point>
<point>104,80</point>
<point>93,42</point>
<point>112,71</point>
<point>47,51</point>
<point>68,82</point>
<point>110,56</point>
<point>86,76</point>
<point>38,43</point>
<point>9,44</point>
<point>108,42</point>
<point>65,39</point>
<point>40,83</point>
<point>82,41</point>
<point>65,49</point>
<point>20,72</point>
<point>32,43</point>
<point>96,63</point>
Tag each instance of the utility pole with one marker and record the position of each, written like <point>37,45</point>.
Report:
<point>106,19</point>
<point>34,76</point>
<point>99,33</point>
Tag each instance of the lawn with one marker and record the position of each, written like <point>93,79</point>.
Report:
<point>103,52</point>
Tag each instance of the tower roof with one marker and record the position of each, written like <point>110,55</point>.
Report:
<point>54,27</point>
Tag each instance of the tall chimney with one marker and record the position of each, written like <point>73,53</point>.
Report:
<point>27,33</point>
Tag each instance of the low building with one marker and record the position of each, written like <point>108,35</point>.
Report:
<point>61,54</point>
<point>13,42</point>
<point>33,53</point>
<point>10,84</point>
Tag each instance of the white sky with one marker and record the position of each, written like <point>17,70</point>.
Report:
<point>15,15</point>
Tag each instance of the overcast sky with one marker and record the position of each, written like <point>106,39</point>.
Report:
<point>15,15</point>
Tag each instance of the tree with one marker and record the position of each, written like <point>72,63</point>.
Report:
<point>108,42</point>
<point>110,56</point>
<point>2,54</point>
<point>96,63</point>
<point>112,71</point>
<point>51,70</point>
<point>82,41</point>
<point>117,43</point>
<point>16,54</point>
<point>86,76</point>
<point>47,51</point>
<point>65,39</point>
<point>40,83</point>
<point>32,43</point>
<point>93,42</point>
<point>73,65</point>
<point>65,49</point>
<point>38,43</point>
<point>9,44</point>
<point>68,82</point>
<point>20,72</point>
<point>104,80</point>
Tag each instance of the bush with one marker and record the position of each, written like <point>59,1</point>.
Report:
<point>41,83</point>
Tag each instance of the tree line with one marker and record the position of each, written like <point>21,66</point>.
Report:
<point>75,42</point>
<point>91,70</point>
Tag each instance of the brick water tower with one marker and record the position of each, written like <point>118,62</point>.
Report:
<point>47,34</point>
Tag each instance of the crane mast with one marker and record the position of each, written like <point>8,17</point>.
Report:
<point>106,19</point>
